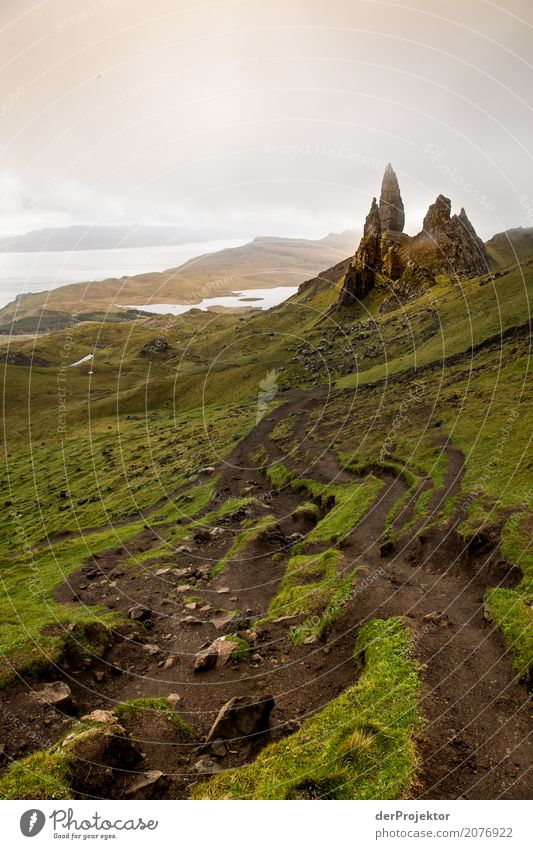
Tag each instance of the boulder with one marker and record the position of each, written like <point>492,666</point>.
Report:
<point>205,659</point>
<point>191,622</point>
<point>205,766</point>
<point>174,699</point>
<point>151,649</point>
<point>58,695</point>
<point>101,758</point>
<point>147,785</point>
<point>139,613</point>
<point>218,749</point>
<point>222,620</point>
<point>242,716</point>
<point>105,716</point>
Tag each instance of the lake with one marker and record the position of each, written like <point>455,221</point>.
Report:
<point>259,298</point>
<point>36,272</point>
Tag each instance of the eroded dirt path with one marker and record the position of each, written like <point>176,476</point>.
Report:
<point>476,743</point>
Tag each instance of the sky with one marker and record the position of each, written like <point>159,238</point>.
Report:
<point>246,117</point>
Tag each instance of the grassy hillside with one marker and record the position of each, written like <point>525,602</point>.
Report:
<point>340,460</point>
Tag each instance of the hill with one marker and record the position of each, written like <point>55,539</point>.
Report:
<point>279,555</point>
<point>260,264</point>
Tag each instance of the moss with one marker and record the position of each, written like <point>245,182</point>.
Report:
<point>42,775</point>
<point>360,746</point>
<point>314,586</point>
<point>242,648</point>
<point>279,476</point>
<point>308,510</point>
<point>128,710</point>
<point>345,504</point>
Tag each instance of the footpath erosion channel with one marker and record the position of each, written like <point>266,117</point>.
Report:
<point>236,627</point>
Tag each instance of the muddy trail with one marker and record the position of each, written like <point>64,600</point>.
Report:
<point>476,741</point>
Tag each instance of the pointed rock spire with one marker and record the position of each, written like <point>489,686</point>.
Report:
<point>390,202</point>
<point>373,221</point>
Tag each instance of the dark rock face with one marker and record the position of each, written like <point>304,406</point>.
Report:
<point>447,244</point>
<point>437,216</point>
<point>367,261</point>
<point>391,210</point>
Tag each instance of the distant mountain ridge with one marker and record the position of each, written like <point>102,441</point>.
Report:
<point>88,237</point>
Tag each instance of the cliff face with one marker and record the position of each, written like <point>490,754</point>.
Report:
<point>447,244</point>
<point>360,277</point>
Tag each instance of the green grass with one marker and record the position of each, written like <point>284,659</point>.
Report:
<point>512,609</point>
<point>27,605</point>
<point>279,476</point>
<point>350,503</point>
<point>42,775</point>
<point>130,709</point>
<point>282,432</point>
<point>312,586</point>
<point>360,746</point>
<point>513,614</point>
<point>139,431</point>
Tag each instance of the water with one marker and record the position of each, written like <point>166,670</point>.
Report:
<point>259,298</point>
<point>36,272</point>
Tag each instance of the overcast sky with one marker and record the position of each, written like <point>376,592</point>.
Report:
<point>263,116</point>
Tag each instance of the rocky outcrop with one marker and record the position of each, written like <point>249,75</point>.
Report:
<point>447,244</point>
<point>391,211</point>
<point>367,261</point>
<point>159,345</point>
<point>101,754</point>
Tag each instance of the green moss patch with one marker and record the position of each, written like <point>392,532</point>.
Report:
<point>134,707</point>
